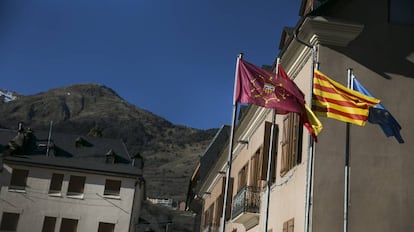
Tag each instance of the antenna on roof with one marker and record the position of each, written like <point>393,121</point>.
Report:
<point>48,138</point>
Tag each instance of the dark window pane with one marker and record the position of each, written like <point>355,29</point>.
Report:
<point>49,224</point>
<point>76,185</point>
<point>56,183</point>
<point>106,227</point>
<point>68,225</point>
<point>112,187</point>
<point>9,221</point>
<point>18,179</point>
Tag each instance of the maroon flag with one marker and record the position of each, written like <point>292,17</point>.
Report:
<point>260,87</point>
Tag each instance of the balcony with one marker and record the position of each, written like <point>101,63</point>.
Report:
<point>246,207</point>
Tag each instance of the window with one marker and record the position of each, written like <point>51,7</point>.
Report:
<point>56,184</point>
<point>18,179</point>
<point>112,187</point>
<point>242,178</point>
<point>106,227</point>
<point>9,221</point>
<point>76,186</point>
<point>49,224</point>
<point>68,225</point>
<point>289,226</point>
<point>291,143</point>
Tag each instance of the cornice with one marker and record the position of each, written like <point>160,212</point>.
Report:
<point>317,31</point>
<point>328,31</point>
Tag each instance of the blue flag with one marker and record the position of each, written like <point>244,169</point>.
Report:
<point>379,115</point>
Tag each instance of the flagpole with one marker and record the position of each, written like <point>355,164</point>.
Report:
<point>231,143</point>
<point>311,153</point>
<point>270,158</point>
<point>347,164</point>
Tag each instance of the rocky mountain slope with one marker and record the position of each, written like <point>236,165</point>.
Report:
<point>170,151</point>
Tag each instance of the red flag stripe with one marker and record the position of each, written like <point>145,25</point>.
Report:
<point>322,110</point>
<point>338,102</point>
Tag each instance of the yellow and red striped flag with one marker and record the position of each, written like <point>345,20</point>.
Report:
<point>333,100</point>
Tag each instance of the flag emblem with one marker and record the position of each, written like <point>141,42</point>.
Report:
<point>268,88</point>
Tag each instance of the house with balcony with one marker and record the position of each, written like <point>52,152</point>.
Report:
<point>307,185</point>
<point>63,182</point>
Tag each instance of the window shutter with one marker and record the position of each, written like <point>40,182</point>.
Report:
<point>274,157</point>
<point>218,210</point>
<point>285,227</point>
<point>265,151</point>
<point>229,199</point>
<point>291,225</point>
<point>293,139</point>
<point>285,146</point>
<point>223,191</point>
<point>242,177</point>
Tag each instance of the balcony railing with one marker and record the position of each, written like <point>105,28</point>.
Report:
<point>247,200</point>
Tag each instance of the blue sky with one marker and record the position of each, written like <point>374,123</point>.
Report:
<point>175,58</point>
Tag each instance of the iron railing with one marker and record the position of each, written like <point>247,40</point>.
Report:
<point>247,200</point>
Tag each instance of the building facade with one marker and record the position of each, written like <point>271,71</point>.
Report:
<point>67,183</point>
<point>307,187</point>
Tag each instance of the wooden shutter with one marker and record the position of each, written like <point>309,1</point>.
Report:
<point>294,139</point>
<point>229,199</point>
<point>218,211</point>
<point>242,177</point>
<point>265,151</point>
<point>285,227</point>
<point>274,157</point>
<point>285,146</point>
<point>255,169</point>
<point>291,225</point>
<point>266,147</point>
<point>223,192</point>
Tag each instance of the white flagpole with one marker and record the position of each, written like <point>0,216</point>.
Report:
<point>311,152</point>
<point>347,164</point>
<point>270,158</point>
<point>230,157</point>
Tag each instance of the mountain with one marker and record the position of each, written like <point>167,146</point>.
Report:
<point>170,151</point>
